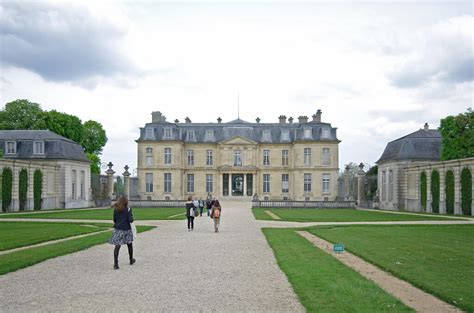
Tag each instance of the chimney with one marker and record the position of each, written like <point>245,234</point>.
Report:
<point>188,120</point>
<point>426,127</point>
<point>219,120</point>
<point>302,119</point>
<point>317,117</point>
<point>290,120</point>
<point>282,119</point>
<point>157,117</point>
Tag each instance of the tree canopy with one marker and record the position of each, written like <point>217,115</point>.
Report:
<point>457,136</point>
<point>23,114</point>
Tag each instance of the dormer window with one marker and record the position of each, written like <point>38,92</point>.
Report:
<point>266,135</point>
<point>191,135</point>
<point>209,135</point>
<point>167,134</point>
<point>307,133</point>
<point>38,147</point>
<point>10,147</point>
<point>285,135</point>
<point>326,133</point>
<point>149,133</point>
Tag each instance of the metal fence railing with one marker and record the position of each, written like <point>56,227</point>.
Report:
<point>304,204</point>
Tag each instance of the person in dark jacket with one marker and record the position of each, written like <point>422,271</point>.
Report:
<point>122,233</point>
<point>190,213</point>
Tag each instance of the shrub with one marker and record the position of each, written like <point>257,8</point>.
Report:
<point>423,190</point>
<point>449,192</point>
<point>7,185</point>
<point>466,191</point>
<point>37,189</point>
<point>435,191</point>
<point>23,188</point>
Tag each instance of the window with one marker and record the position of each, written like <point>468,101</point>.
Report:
<point>149,182</point>
<point>326,133</point>
<point>307,156</point>
<point>209,183</point>
<point>73,184</point>
<point>167,155</point>
<point>38,147</point>
<point>307,182</point>
<point>285,135</point>
<point>326,156</point>
<point>307,133</point>
<point>326,182</point>
<point>209,161</point>
<point>390,185</point>
<point>10,147</point>
<point>284,182</point>
<point>149,133</point>
<point>149,150</point>
<point>190,157</point>
<point>168,133</point>
<point>266,157</point>
<point>284,157</point>
<point>190,183</point>
<point>266,182</point>
<point>209,135</point>
<point>266,135</point>
<point>237,158</point>
<point>191,135</point>
<point>167,181</point>
<point>83,181</point>
<point>384,186</point>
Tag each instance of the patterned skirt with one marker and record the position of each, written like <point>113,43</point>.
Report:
<point>121,237</point>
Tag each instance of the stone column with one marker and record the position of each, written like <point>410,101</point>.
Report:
<point>360,184</point>
<point>245,185</point>
<point>428,190</point>
<point>442,190</point>
<point>346,183</point>
<point>230,185</point>
<point>126,182</point>
<point>457,190</point>
<point>110,181</point>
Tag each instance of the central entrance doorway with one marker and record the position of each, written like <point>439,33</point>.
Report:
<point>237,184</point>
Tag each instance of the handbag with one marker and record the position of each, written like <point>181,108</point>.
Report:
<point>134,228</point>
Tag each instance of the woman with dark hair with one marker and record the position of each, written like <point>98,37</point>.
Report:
<point>190,212</point>
<point>122,233</point>
<point>216,214</point>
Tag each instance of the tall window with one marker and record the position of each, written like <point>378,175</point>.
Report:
<point>266,182</point>
<point>307,182</point>
<point>266,135</point>
<point>326,156</point>
<point>307,156</point>
<point>10,147</point>
<point>209,135</point>
<point>190,157</point>
<point>191,135</point>
<point>209,160</point>
<point>384,186</point>
<point>149,156</point>
<point>285,182</point>
<point>285,135</point>
<point>167,155</point>
<point>266,157</point>
<point>38,147</point>
<point>167,133</point>
<point>209,183</point>
<point>284,157</point>
<point>326,133</point>
<point>149,182</point>
<point>326,182</point>
<point>190,183</point>
<point>73,184</point>
<point>82,186</point>
<point>149,133</point>
<point>307,133</point>
<point>167,182</point>
<point>237,158</point>
<point>390,185</point>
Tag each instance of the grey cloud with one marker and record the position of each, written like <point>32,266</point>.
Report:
<point>62,42</point>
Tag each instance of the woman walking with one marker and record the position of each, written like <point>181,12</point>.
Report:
<point>190,213</point>
<point>122,233</point>
<point>216,214</point>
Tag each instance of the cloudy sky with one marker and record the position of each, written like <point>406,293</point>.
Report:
<point>378,70</point>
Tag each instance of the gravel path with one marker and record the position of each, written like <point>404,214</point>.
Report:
<point>176,271</point>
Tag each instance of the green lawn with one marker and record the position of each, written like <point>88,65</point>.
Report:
<point>438,259</point>
<point>337,215</point>
<point>17,260</point>
<point>104,214</point>
<point>322,283</point>
<point>20,234</point>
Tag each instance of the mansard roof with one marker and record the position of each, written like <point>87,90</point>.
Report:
<point>238,128</point>
<point>55,146</point>
<point>424,144</point>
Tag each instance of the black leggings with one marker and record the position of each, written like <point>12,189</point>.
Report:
<point>117,249</point>
<point>190,222</point>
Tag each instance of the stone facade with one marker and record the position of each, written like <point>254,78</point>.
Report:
<point>238,159</point>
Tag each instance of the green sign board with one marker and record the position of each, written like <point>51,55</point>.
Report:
<point>338,247</point>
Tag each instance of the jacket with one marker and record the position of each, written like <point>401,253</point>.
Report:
<point>189,206</point>
<point>122,220</point>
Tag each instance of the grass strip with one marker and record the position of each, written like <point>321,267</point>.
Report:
<point>338,215</point>
<point>17,260</point>
<point>435,258</point>
<point>322,283</point>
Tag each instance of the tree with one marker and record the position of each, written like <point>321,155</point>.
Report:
<point>37,189</point>
<point>23,188</point>
<point>95,162</point>
<point>22,114</point>
<point>65,125</point>
<point>94,137</point>
<point>457,136</point>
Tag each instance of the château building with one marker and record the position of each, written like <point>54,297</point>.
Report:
<point>284,160</point>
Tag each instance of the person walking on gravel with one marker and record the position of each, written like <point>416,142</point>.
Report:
<point>122,233</point>
<point>190,213</point>
<point>216,214</point>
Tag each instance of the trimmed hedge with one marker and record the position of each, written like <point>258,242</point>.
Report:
<point>435,191</point>
<point>37,189</point>
<point>23,188</point>
<point>7,187</point>
<point>449,192</point>
<point>423,190</point>
<point>466,191</point>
